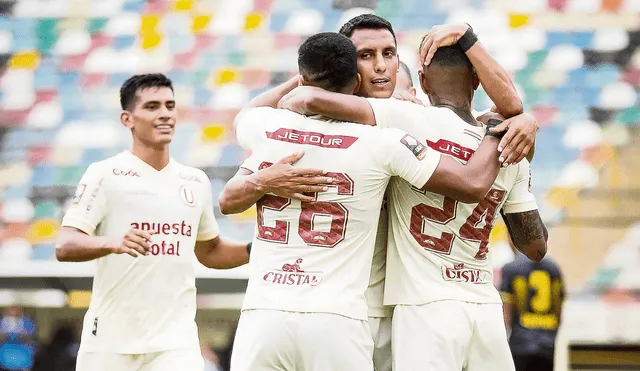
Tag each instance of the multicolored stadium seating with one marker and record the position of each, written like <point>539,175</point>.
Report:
<point>576,63</point>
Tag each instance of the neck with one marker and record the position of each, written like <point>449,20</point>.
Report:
<point>461,106</point>
<point>157,157</point>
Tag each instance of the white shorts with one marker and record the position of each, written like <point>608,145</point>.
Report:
<point>450,336</point>
<point>183,359</point>
<point>276,340</point>
<point>381,333</point>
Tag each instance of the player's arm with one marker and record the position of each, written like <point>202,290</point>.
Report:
<point>425,168</point>
<point>77,241</point>
<point>75,245</point>
<point>218,253</point>
<point>281,179</point>
<point>494,79</point>
<point>528,233</point>
<point>311,100</point>
<point>271,97</point>
<point>520,139</point>
<point>520,214</point>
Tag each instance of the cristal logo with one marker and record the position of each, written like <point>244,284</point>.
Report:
<point>293,275</point>
<point>459,274</point>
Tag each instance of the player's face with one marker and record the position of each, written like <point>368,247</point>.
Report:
<point>377,62</point>
<point>404,82</point>
<point>153,118</point>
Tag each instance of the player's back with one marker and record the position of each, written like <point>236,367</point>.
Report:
<point>438,246</point>
<point>316,256</point>
<point>536,291</point>
<point>143,304</point>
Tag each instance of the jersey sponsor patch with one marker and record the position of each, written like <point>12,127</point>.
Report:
<point>312,138</point>
<point>79,192</point>
<point>459,273</point>
<point>418,149</point>
<point>293,274</point>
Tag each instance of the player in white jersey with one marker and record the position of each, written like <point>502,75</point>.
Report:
<point>437,271</point>
<point>378,64</point>
<point>144,219</point>
<point>305,308</point>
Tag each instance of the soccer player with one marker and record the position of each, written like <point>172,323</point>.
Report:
<point>532,293</point>
<point>403,81</point>
<point>144,219</point>
<point>305,307</point>
<point>375,42</point>
<point>438,275</point>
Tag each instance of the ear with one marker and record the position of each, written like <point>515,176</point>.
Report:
<point>303,81</point>
<point>423,82</point>
<point>125,119</point>
<point>412,91</point>
<point>476,81</point>
<point>398,56</point>
<point>356,87</point>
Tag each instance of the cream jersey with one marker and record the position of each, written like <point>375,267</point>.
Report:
<point>145,304</point>
<point>438,247</point>
<point>316,256</point>
<point>375,291</point>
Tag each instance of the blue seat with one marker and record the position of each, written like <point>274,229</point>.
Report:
<point>43,252</point>
<point>133,6</point>
<point>278,20</point>
<point>231,156</point>
<point>16,192</point>
<point>42,175</point>
<point>121,42</point>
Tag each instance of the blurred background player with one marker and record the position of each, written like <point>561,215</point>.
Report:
<point>144,218</point>
<point>403,81</point>
<point>532,293</point>
<point>314,277</point>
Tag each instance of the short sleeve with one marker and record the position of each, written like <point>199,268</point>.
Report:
<point>252,162</point>
<point>394,113</point>
<point>520,198</point>
<point>248,123</point>
<point>208,228</point>
<point>506,284</point>
<point>89,203</point>
<point>408,158</point>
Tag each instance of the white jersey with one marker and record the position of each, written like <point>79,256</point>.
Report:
<point>316,256</point>
<point>438,247</point>
<point>145,304</point>
<point>375,291</point>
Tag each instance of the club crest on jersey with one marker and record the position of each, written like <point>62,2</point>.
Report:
<point>187,195</point>
<point>418,149</point>
<point>78,195</point>
<point>293,275</point>
<point>461,274</point>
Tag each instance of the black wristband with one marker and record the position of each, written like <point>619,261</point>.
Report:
<point>468,40</point>
<point>492,123</point>
<point>249,248</point>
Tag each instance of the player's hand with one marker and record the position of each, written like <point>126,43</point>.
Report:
<point>136,242</point>
<point>519,138</point>
<point>296,100</point>
<point>282,179</point>
<point>406,96</point>
<point>443,35</point>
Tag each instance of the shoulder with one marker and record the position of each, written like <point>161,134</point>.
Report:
<point>108,166</point>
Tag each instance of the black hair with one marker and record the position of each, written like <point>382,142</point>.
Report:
<point>135,83</point>
<point>328,60</point>
<point>406,69</point>
<point>451,56</point>
<point>367,22</point>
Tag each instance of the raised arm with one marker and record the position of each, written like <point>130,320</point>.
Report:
<point>528,233</point>
<point>281,179</point>
<point>311,100</point>
<point>492,76</point>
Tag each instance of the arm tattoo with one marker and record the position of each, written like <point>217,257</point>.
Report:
<point>525,228</point>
